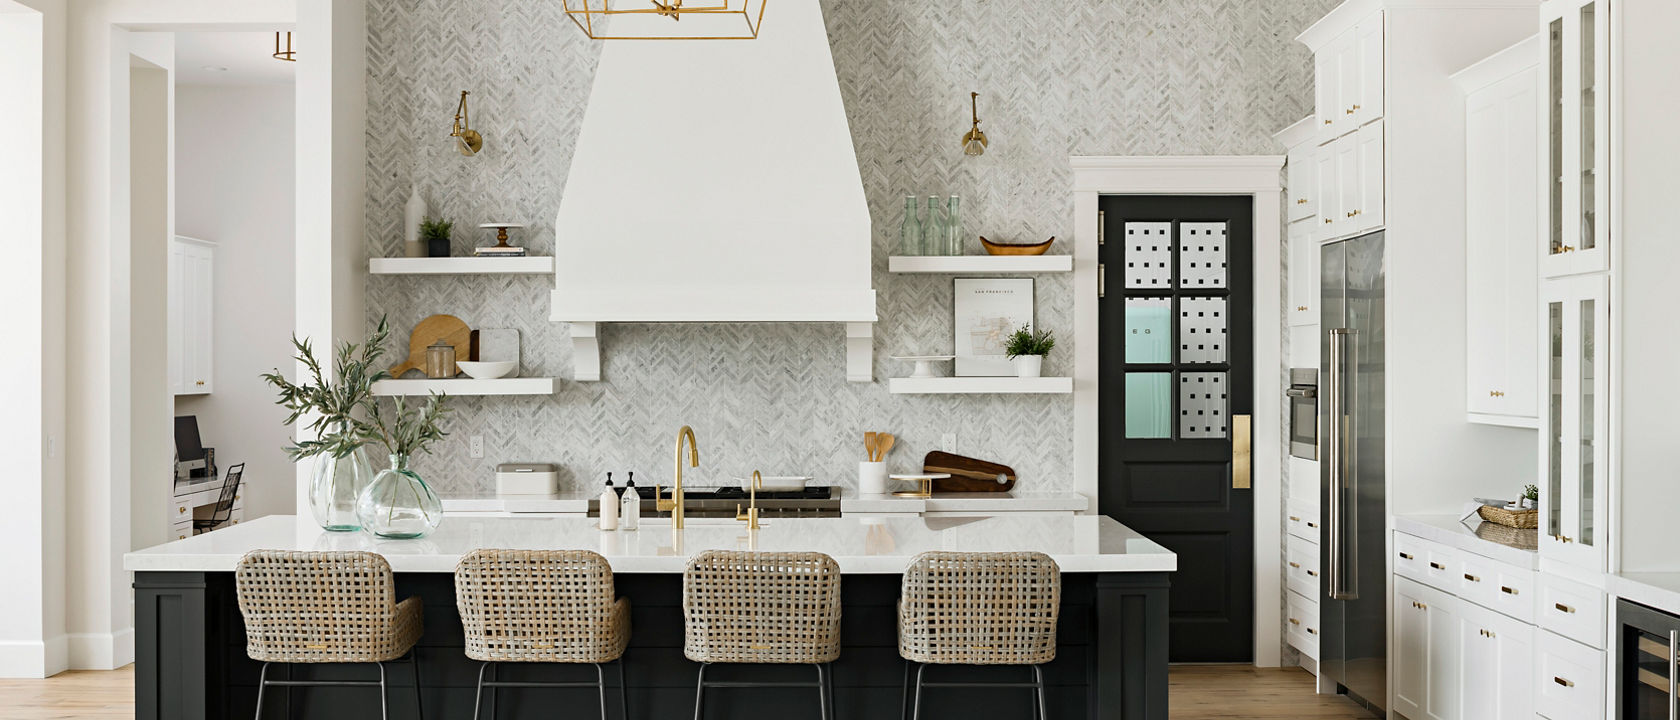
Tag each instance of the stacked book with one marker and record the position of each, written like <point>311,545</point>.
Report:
<point>499,251</point>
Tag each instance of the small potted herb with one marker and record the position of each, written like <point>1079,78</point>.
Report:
<point>435,233</point>
<point>1027,348</point>
<point>1530,497</point>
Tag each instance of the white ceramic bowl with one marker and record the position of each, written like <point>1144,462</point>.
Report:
<point>486,370</point>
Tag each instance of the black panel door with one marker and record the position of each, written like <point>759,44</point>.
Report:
<point>1176,395</point>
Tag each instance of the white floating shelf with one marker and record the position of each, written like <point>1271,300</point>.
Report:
<point>465,386</point>
<point>529,265</point>
<point>980,263</point>
<point>980,386</point>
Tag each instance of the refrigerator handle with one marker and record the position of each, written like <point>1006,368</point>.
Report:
<point>1340,424</point>
<point>1350,477</point>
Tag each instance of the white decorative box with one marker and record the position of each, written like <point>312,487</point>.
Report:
<point>527,479</point>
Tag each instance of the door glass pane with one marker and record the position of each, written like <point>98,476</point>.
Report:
<point>1589,92</point>
<point>1649,697</point>
<point>1201,250</point>
<point>1201,405</point>
<point>1149,330</point>
<point>1588,438</point>
<point>1149,405</point>
<point>1554,104</point>
<point>1201,329</point>
<point>1554,420</point>
<point>1148,255</point>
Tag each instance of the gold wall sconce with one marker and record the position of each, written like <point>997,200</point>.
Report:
<point>467,140</point>
<point>288,54</point>
<point>974,143</point>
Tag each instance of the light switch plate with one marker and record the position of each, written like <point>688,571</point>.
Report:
<point>948,443</point>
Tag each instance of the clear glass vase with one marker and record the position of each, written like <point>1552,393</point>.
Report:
<point>933,229</point>
<point>399,504</point>
<point>910,231</point>
<point>335,486</point>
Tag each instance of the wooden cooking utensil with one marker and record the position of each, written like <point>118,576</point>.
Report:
<point>448,328</point>
<point>869,440</point>
<point>968,474</point>
<point>885,445</point>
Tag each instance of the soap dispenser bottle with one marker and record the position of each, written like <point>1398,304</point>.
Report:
<point>630,512</point>
<point>609,506</point>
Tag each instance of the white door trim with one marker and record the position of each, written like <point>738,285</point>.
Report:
<point>1257,176</point>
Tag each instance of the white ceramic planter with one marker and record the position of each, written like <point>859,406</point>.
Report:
<point>1028,366</point>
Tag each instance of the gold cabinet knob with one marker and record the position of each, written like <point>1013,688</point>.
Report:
<point>1350,111</point>
<point>1356,107</point>
<point>1300,201</point>
<point>183,511</point>
<point>1326,121</point>
<point>201,382</point>
<point>1326,221</point>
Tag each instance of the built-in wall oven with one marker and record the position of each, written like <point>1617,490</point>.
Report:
<point>1648,663</point>
<point>1303,413</point>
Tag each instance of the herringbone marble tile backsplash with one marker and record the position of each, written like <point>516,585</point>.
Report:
<point>1057,78</point>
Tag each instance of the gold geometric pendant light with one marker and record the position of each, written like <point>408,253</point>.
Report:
<point>667,19</point>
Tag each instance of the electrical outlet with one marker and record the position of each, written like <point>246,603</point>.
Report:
<point>475,447</point>
<point>948,443</point>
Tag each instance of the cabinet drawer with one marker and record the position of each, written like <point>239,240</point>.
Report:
<point>1301,618</point>
<point>1425,561</point>
<point>1572,610</point>
<point>1301,566</point>
<point>1496,586</point>
<point>1409,556</point>
<point>181,530</point>
<point>1569,679</point>
<point>1302,520</point>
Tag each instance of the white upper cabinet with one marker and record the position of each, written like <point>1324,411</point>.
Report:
<point>1351,184</point>
<point>1367,211</point>
<point>1303,185</point>
<point>1575,61</point>
<point>1349,78</point>
<point>1328,193</point>
<point>1574,432</point>
<point>1502,227</point>
<point>191,310</point>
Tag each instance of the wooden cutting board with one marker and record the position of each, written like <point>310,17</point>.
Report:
<point>968,474</point>
<point>447,328</point>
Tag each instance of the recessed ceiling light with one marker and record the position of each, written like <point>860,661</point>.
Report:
<point>215,68</point>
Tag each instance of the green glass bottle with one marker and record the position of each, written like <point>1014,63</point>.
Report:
<point>933,229</point>
<point>910,231</point>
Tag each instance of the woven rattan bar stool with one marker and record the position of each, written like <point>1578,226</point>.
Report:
<point>762,607</point>
<point>542,606</point>
<point>325,607</point>
<point>978,609</point>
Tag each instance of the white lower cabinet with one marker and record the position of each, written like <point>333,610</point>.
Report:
<point>1497,655</point>
<point>1426,652</point>
<point>1465,645</point>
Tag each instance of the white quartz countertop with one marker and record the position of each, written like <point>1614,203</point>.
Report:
<point>1086,543</point>
<point>1660,590</point>
<point>577,501</point>
<point>1447,530</point>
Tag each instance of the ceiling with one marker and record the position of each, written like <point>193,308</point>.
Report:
<point>231,58</point>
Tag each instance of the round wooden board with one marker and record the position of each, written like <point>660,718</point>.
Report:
<point>447,328</point>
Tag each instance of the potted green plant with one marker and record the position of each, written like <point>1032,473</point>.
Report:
<point>1530,497</point>
<point>1026,350</point>
<point>336,419</point>
<point>399,504</point>
<point>435,233</point>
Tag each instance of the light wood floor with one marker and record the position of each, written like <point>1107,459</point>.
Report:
<point>1199,692</point>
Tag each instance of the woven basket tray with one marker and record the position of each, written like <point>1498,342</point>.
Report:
<point>1520,519</point>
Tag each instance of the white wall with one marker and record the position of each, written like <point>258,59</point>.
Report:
<point>235,185</point>
<point>32,616</point>
<point>148,365</point>
<point>1644,113</point>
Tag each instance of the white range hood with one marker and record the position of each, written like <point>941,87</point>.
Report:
<point>715,181</point>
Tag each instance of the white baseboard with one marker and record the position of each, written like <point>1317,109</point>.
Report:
<point>34,659</point>
<point>101,651</point>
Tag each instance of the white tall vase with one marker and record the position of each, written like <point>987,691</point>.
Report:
<point>413,215</point>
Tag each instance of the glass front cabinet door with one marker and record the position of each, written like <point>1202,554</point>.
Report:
<point>1576,93</point>
<point>1574,437</point>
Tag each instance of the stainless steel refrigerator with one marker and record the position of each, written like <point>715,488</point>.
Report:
<point>1353,588</point>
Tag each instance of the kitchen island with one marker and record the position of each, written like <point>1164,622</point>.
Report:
<point>1111,661</point>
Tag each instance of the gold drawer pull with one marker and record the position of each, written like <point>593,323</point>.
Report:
<point>1563,682</point>
<point>1349,111</point>
<point>1312,525</point>
<point>1312,573</point>
<point>1312,631</point>
<point>1326,122</point>
<point>1471,578</point>
<point>1300,201</point>
<point>1295,565</point>
<point>1564,608</point>
<point>1356,107</point>
<point>1326,221</point>
<point>183,510</point>
<point>1437,566</point>
<point>1406,556</point>
<point>1293,518</point>
<point>1293,621</point>
<point>1507,590</point>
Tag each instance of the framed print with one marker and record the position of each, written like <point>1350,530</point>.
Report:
<point>986,311</point>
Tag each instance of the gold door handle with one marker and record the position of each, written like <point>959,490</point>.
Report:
<point>1242,452</point>
<point>1326,121</point>
<point>183,511</point>
<point>1349,111</point>
<point>1327,221</point>
<point>1356,107</point>
<point>1102,280</point>
<point>1563,682</point>
<point>1300,201</point>
<point>201,382</point>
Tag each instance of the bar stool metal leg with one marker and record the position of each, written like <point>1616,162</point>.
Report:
<point>831,714</point>
<point>262,684</point>
<point>414,662</point>
<point>904,693</point>
<point>700,692</point>
<point>601,688</point>
<point>1038,681</point>
<point>822,692</point>
<point>916,700</point>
